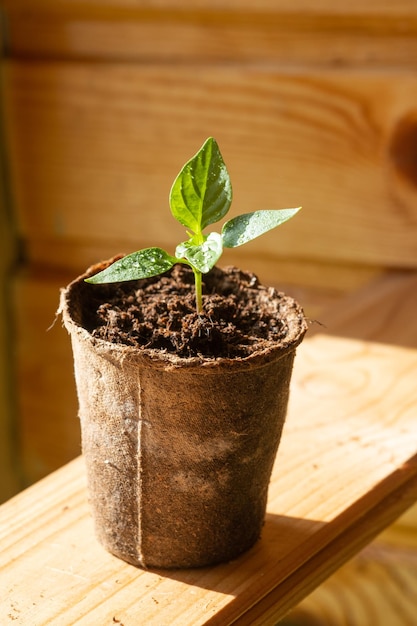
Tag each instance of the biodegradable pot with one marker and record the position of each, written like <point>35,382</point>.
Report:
<point>179,451</point>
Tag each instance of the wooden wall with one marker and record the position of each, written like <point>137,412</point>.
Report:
<point>9,483</point>
<point>312,103</point>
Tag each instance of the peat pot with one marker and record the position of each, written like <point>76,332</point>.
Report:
<point>179,451</point>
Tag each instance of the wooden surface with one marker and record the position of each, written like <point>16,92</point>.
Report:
<point>376,587</point>
<point>379,585</point>
<point>47,404</point>
<point>347,466</point>
<point>313,103</point>
<point>293,33</point>
<point>95,147</point>
<point>9,483</point>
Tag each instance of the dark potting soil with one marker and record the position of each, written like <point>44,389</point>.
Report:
<point>160,313</point>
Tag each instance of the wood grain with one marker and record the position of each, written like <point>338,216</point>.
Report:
<point>381,311</point>
<point>347,466</point>
<point>86,7</point>
<point>313,103</point>
<point>9,482</point>
<point>311,36</point>
<point>376,587</point>
<point>85,150</point>
<point>49,429</point>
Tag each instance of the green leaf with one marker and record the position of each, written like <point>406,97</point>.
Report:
<point>142,264</point>
<point>203,256</point>
<point>248,226</point>
<point>202,192</point>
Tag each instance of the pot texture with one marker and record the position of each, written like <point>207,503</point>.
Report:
<point>179,451</point>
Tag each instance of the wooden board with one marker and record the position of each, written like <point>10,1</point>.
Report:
<point>376,587</point>
<point>8,471</point>
<point>295,33</point>
<point>382,311</point>
<point>9,482</point>
<point>355,7</point>
<point>347,466</point>
<point>379,585</point>
<point>94,149</point>
<point>46,403</point>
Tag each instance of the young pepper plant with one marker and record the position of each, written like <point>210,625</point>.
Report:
<point>200,195</point>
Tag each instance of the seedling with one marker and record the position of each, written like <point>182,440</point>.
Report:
<point>201,195</point>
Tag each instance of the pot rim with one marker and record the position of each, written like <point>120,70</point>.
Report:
<point>160,358</point>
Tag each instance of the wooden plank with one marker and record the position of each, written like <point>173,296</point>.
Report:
<point>272,607</point>
<point>8,466</point>
<point>347,466</point>
<point>94,148</point>
<point>382,311</point>
<point>49,430</point>
<point>324,279</point>
<point>238,34</point>
<point>83,7</point>
<point>378,586</point>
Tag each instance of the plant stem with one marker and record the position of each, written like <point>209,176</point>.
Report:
<point>198,290</point>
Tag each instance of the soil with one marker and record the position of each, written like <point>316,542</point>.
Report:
<point>160,312</point>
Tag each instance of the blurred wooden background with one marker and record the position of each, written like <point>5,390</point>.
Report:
<point>312,103</point>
